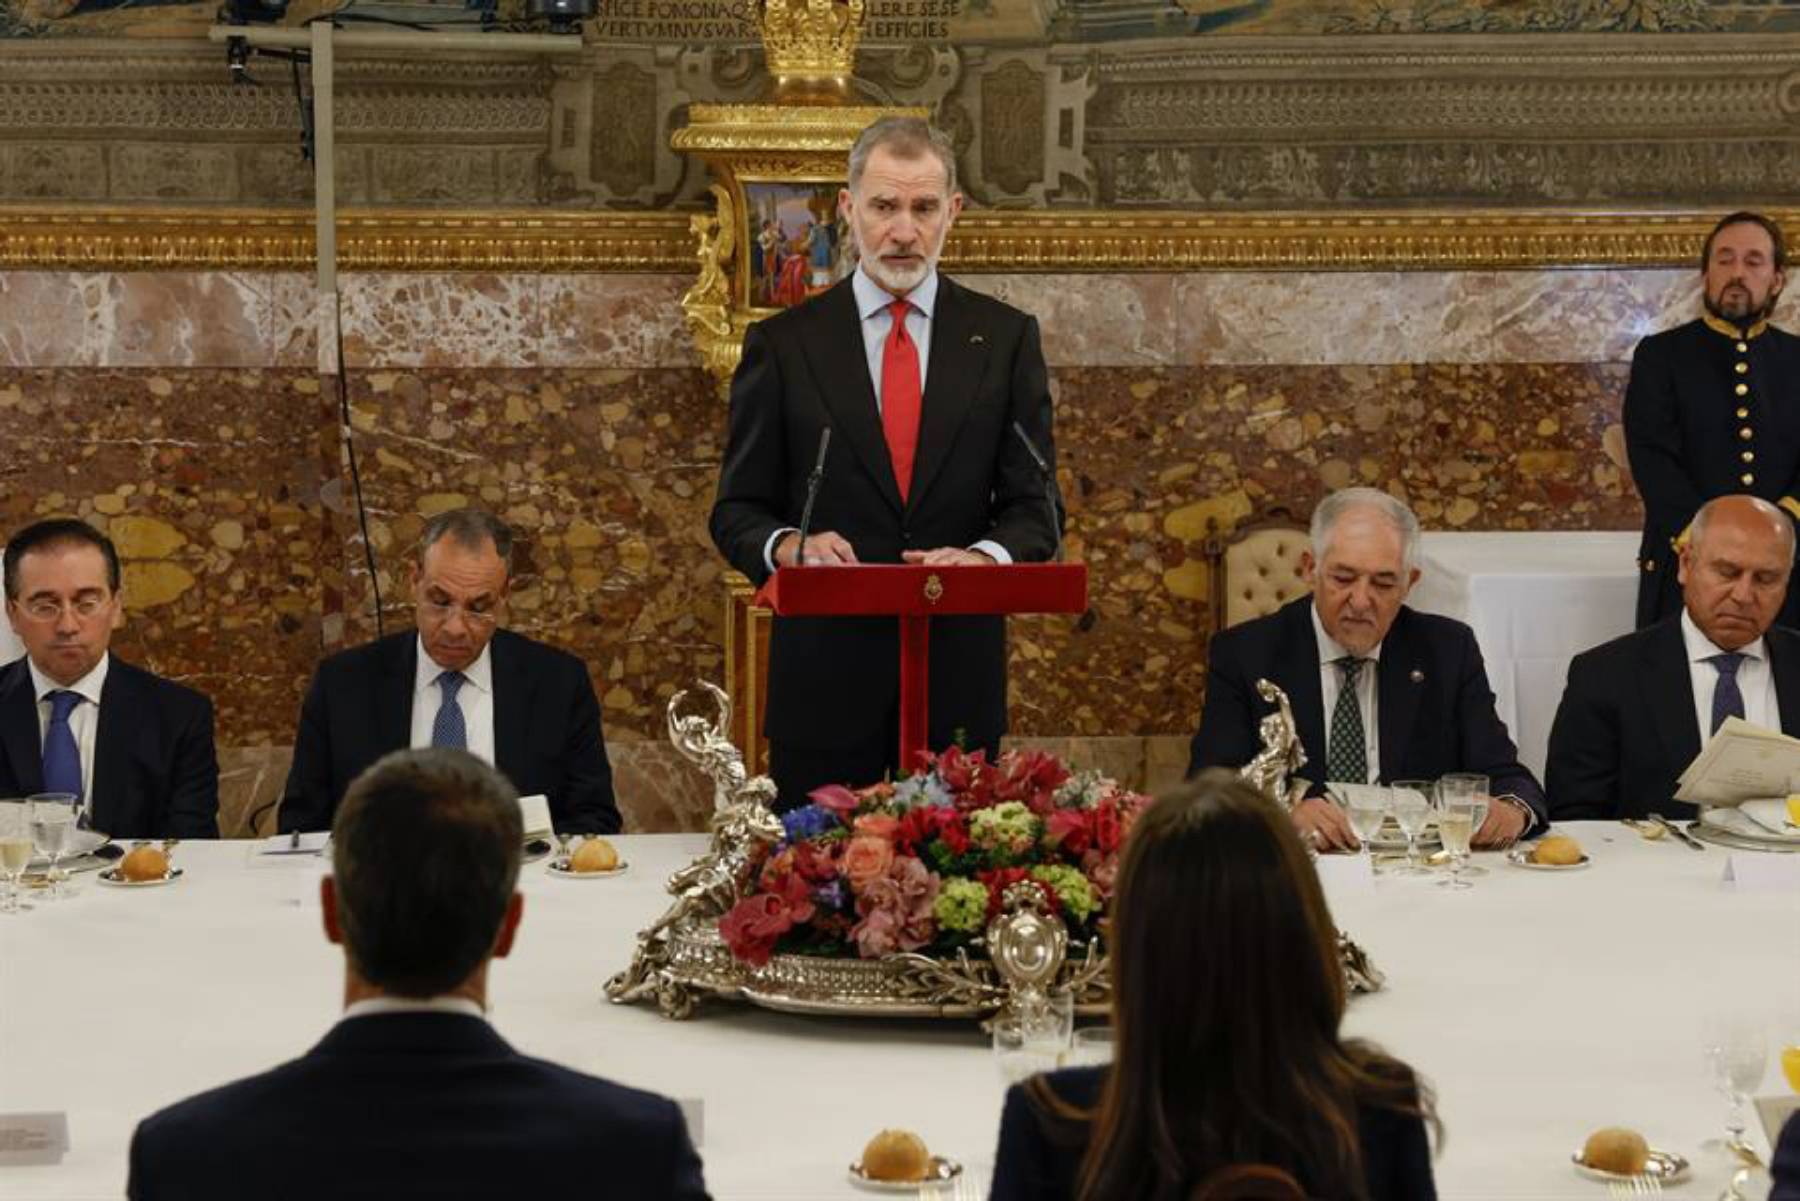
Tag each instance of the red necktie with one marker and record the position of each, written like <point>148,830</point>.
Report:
<point>900,397</point>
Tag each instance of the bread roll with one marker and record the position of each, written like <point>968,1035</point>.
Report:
<point>1616,1149</point>
<point>594,855</point>
<point>896,1155</point>
<point>144,863</point>
<point>1557,850</point>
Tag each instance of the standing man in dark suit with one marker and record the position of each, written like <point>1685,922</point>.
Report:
<point>1713,406</point>
<point>1637,710</point>
<point>1379,691</point>
<point>138,749</point>
<point>921,383</point>
<point>457,681</point>
<point>412,1093</point>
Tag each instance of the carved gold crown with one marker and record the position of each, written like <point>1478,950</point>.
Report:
<point>810,41</point>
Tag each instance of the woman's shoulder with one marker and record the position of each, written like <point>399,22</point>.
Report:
<point>1078,1087</point>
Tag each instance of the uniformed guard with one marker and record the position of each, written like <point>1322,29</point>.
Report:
<point>1713,406</point>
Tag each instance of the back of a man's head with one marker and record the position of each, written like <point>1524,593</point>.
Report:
<point>425,857</point>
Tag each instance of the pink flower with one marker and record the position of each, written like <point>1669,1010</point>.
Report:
<point>879,825</point>
<point>835,797</point>
<point>896,910</point>
<point>865,860</point>
<point>877,934</point>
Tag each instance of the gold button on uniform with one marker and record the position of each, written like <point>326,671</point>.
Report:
<point>1747,478</point>
<point>1749,456</point>
<point>1743,389</point>
<point>1743,348</point>
<point>1742,369</point>
<point>1743,413</point>
<point>1745,433</point>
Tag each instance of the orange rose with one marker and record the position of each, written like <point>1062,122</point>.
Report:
<point>866,859</point>
<point>877,825</point>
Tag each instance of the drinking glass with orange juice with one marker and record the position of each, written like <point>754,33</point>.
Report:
<point>1790,1065</point>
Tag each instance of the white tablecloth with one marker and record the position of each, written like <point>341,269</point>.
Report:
<point>1540,1005</point>
<point>1534,600</point>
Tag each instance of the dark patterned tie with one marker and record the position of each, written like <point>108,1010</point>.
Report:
<point>1727,700</point>
<point>1346,755</point>
<point>62,758</point>
<point>448,727</point>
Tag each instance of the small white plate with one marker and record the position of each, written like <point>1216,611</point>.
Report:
<point>942,1170</point>
<point>1664,1166</point>
<point>560,867</point>
<point>112,878</point>
<point>1521,857</point>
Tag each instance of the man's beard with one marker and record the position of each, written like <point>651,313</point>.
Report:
<point>898,281</point>
<point>1737,304</point>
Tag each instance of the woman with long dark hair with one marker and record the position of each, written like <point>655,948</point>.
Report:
<point>1227,996</point>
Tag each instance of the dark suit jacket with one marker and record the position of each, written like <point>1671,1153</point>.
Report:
<point>1785,1167</point>
<point>416,1105</point>
<point>156,774</point>
<point>1037,1161</point>
<point>833,681</point>
<point>1626,727</point>
<point>1432,700</point>
<point>1685,439</point>
<point>547,736</point>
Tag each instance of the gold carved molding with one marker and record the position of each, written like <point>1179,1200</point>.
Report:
<point>1054,240</point>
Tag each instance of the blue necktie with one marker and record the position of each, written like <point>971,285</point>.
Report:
<point>448,727</point>
<point>62,758</point>
<point>1727,700</point>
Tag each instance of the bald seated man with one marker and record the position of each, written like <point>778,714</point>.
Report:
<point>1637,710</point>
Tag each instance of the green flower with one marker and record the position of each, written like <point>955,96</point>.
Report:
<point>1071,888</point>
<point>1009,827</point>
<point>961,904</point>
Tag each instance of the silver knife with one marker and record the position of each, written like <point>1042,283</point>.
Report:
<point>1677,831</point>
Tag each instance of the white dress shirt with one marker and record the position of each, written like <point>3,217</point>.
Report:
<point>872,306</point>
<point>475,698</point>
<point>1331,683</point>
<point>1754,680</point>
<point>84,719</point>
<point>377,1006</point>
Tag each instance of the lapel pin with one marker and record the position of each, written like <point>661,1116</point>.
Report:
<point>977,340</point>
<point>1417,676</point>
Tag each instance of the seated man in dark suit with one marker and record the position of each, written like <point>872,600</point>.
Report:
<point>1380,692</point>
<point>412,1093</point>
<point>1785,1167</point>
<point>138,749</point>
<point>1636,710</point>
<point>457,681</point>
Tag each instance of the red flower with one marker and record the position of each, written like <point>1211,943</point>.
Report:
<point>1109,831</point>
<point>816,864</point>
<point>999,879</point>
<point>1032,777</point>
<point>954,834</point>
<point>835,797</point>
<point>753,925</point>
<point>1070,830</point>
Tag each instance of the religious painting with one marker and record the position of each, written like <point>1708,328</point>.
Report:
<point>795,247</point>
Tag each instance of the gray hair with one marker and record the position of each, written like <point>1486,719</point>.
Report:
<point>471,529</point>
<point>904,137</point>
<point>1344,500</point>
<point>1778,519</point>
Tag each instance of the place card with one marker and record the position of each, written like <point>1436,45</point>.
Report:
<point>1763,871</point>
<point>1775,1112</point>
<point>1346,873</point>
<point>534,811</point>
<point>693,1112</point>
<point>33,1138</point>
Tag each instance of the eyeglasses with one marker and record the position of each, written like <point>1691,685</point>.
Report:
<point>442,612</point>
<point>46,608</point>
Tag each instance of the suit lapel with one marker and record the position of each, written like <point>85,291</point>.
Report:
<point>1401,677</point>
<point>958,356</point>
<point>841,376</point>
<point>1667,687</point>
<point>512,707</point>
<point>107,792</point>
<point>19,729</point>
<point>394,702</point>
<point>1300,668</point>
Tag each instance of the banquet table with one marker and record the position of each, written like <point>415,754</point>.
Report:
<point>1535,600</point>
<point>1540,1005</point>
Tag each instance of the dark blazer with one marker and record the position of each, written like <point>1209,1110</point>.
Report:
<point>833,681</point>
<point>1432,700</point>
<point>156,774</point>
<point>547,736</point>
<point>1684,424</point>
<point>1035,1161</point>
<point>416,1105</point>
<point>1626,728</point>
<point>1785,1167</point>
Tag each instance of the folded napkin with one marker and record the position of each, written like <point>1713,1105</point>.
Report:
<point>1765,819</point>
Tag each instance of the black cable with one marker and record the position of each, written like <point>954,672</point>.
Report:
<point>362,512</point>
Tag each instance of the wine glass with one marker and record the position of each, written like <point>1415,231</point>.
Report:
<point>1456,825</point>
<point>1736,1051</point>
<point>1475,787</point>
<point>1367,809</point>
<point>1034,1037</point>
<point>1411,800</point>
<point>52,830</point>
<point>15,849</point>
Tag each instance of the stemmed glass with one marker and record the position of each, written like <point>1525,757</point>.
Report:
<point>1034,1039</point>
<point>15,849</point>
<point>1475,788</point>
<point>1366,808</point>
<point>1456,826</point>
<point>53,829</point>
<point>1736,1049</point>
<point>1412,809</point>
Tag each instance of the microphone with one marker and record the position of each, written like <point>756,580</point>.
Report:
<point>1043,467</point>
<point>812,494</point>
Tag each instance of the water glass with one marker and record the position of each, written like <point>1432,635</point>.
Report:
<point>15,849</point>
<point>1474,787</point>
<point>1735,1046</point>
<point>1411,801</point>
<point>52,831</point>
<point>1367,809</point>
<point>1093,1046</point>
<point>1034,1038</point>
<point>1456,826</point>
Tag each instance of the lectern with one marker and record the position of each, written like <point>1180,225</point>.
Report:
<point>915,594</point>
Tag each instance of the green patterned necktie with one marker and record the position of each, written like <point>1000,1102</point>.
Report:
<point>1346,757</point>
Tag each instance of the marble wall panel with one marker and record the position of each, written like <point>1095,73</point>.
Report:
<point>1111,320</point>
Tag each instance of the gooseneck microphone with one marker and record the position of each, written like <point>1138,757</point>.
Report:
<point>1050,493</point>
<point>812,494</point>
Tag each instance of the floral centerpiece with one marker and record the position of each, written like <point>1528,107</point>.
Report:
<point>922,864</point>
